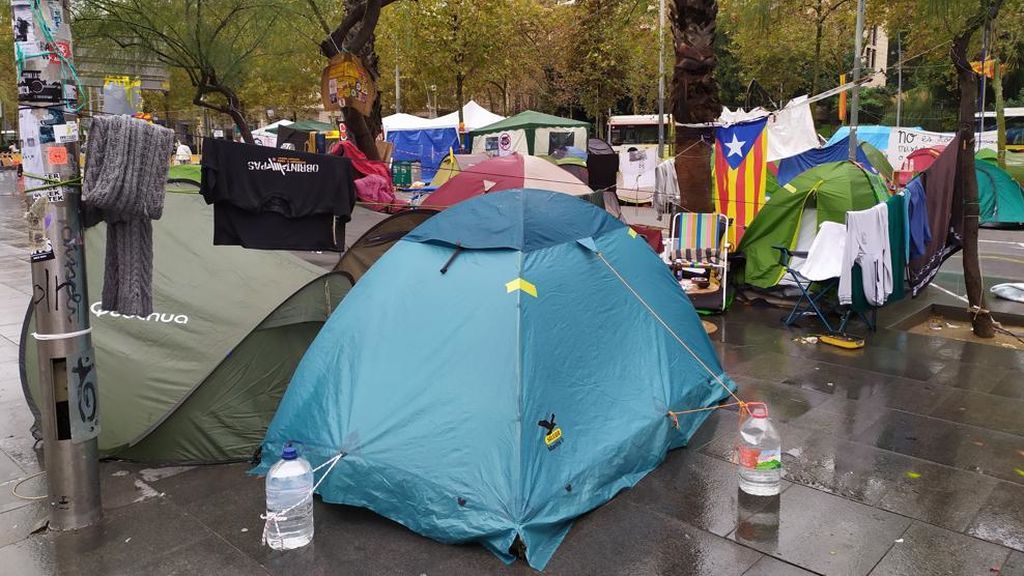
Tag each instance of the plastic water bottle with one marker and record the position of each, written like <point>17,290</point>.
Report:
<point>760,453</point>
<point>290,500</point>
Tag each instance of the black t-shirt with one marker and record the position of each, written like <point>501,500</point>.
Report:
<point>274,199</point>
<point>271,231</point>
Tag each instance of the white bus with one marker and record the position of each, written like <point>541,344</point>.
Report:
<point>639,131</point>
<point>1014,126</point>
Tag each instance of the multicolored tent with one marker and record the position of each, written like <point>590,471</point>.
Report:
<point>831,189</point>
<point>506,173</point>
<point>535,349</point>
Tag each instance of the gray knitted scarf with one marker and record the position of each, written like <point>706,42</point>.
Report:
<point>126,169</point>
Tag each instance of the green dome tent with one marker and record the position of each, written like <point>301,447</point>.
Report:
<point>529,132</point>
<point>878,160</point>
<point>200,378</point>
<point>1002,199</point>
<point>365,251</point>
<point>832,189</point>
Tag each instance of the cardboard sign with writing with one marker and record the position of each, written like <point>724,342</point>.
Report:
<point>345,82</point>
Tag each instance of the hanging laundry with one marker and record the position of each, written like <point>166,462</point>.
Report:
<point>666,189</point>
<point>867,244</point>
<point>898,240</point>
<point>945,225</point>
<point>636,168</point>
<point>917,210</point>
<point>276,199</point>
<point>127,161</point>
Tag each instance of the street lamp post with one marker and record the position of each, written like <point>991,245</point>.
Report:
<point>858,40</point>
<point>48,126</point>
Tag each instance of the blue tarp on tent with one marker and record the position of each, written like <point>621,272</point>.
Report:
<point>793,166</point>
<point>429,146</point>
<point>877,136</point>
<point>525,385</point>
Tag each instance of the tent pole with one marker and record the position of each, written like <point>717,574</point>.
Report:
<point>67,370</point>
<point>858,40</point>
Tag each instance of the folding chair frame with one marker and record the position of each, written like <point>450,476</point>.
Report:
<point>812,298</point>
<point>721,256</point>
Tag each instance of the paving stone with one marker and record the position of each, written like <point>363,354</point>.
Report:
<point>768,566</point>
<point>622,538</point>
<point>960,446</point>
<point>18,523</point>
<point>1001,518</point>
<point>828,534</point>
<point>926,549</point>
<point>693,488</point>
<point>983,410</point>
<point>1014,565</point>
<point>123,543</point>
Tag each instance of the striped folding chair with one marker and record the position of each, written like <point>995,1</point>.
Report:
<point>698,240</point>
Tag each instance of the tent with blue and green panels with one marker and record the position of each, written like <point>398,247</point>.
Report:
<point>507,366</point>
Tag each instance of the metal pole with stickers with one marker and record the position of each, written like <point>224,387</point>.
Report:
<point>48,106</point>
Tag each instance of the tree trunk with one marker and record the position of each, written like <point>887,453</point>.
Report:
<point>351,36</point>
<point>997,89</point>
<point>694,98</point>
<point>233,108</point>
<point>966,183</point>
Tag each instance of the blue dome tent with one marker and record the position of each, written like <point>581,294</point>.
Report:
<point>507,366</point>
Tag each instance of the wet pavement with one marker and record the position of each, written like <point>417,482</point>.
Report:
<point>905,457</point>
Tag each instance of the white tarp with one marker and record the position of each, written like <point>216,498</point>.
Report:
<point>903,141</point>
<point>474,116</point>
<point>790,130</point>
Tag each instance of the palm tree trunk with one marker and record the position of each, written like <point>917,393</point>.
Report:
<point>694,98</point>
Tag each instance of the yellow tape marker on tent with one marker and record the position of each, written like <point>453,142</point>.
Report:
<point>632,232</point>
<point>520,284</point>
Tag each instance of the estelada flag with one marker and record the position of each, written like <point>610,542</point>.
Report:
<point>741,152</point>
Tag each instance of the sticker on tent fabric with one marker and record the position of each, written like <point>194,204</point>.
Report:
<point>83,398</point>
<point>554,436</point>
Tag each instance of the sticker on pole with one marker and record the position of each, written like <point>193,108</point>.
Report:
<point>83,397</point>
<point>346,82</point>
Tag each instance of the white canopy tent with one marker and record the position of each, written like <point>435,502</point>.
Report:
<point>474,115</point>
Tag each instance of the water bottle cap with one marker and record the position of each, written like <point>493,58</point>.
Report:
<point>289,452</point>
<point>757,409</point>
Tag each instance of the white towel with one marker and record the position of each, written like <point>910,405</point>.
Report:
<point>825,257</point>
